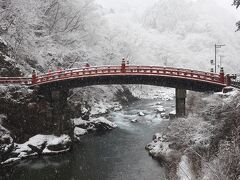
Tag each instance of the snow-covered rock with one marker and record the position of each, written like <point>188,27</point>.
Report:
<point>134,120</point>
<point>102,123</point>
<point>58,144</point>
<point>117,108</point>
<point>94,124</point>
<point>159,147</point>
<point>160,109</point>
<point>40,144</point>
<point>158,103</point>
<point>78,122</point>
<point>172,114</point>
<point>141,114</point>
<point>79,132</point>
<point>163,115</point>
<point>100,108</point>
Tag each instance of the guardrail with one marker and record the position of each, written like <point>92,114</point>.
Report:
<point>117,70</point>
<point>16,80</point>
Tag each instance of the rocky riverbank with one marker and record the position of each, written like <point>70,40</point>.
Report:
<point>28,127</point>
<point>48,144</point>
<point>193,147</point>
<point>31,129</point>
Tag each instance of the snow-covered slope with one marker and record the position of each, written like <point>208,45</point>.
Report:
<point>175,33</point>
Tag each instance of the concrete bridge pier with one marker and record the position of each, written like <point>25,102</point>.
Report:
<point>181,95</point>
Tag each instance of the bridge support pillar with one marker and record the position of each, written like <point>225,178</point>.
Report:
<point>59,110</point>
<point>181,95</point>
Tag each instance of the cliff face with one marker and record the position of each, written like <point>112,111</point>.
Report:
<point>28,113</point>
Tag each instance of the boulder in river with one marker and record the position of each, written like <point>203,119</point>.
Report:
<point>94,124</point>
<point>160,109</point>
<point>141,114</point>
<point>78,132</point>
<point>40,144</point>
<point>134,120</point>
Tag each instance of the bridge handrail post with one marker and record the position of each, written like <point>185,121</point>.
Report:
<point>222,76</point>
<point>34,77</point>
<point>123,65</point>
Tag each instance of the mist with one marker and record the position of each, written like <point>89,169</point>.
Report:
<point>175,33</point>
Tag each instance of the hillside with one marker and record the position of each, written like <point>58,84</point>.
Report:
<point>176,33</point>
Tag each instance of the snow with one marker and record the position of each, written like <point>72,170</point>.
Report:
<point>11,160</point>
<point>3,41</point>
<point>191,132</point>
<point>99,110</point>
<point>79,122</point>
<point>159,146</point>
<point>172,112</point>
<point>160,109</point>
<point>163,115</point>
<point>134,120</point>
<point>82,127</point>
<point>42,143</point>
<point>153,92</point>
<point>104,121</point>
<point>79,132</point>
<point>63,139</point>
<point>184,171</point>
<point>228,97</point>
<point>117,108</point>
<point>141,114</point>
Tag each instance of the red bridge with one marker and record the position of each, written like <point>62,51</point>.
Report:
<point>152,75</point>
<point>55,85</point>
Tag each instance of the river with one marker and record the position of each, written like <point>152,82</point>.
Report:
<point>115,155</point>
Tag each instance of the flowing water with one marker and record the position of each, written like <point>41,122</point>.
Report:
<point>115,155</point>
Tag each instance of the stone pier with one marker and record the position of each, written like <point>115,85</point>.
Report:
<point>59,110</point>
<point>181,95</point>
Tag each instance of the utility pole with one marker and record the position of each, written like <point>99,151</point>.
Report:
<point>217,46</point>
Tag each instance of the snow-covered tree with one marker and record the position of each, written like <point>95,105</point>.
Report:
<point>46,34</point>
<point>237,4</point>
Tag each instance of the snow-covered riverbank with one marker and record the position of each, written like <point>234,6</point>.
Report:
<point>49,144</point>
<point>39,144</point>
<point>183,146</point>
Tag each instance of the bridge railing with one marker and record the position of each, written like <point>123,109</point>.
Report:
<point>115,70</point>
<point>128,70</point>
<point>16,80</point>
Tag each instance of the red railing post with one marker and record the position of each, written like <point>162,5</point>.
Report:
<point>123,66</point>
<point>222,76</point>
<point>34,77</point>
<point>164,70</point>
